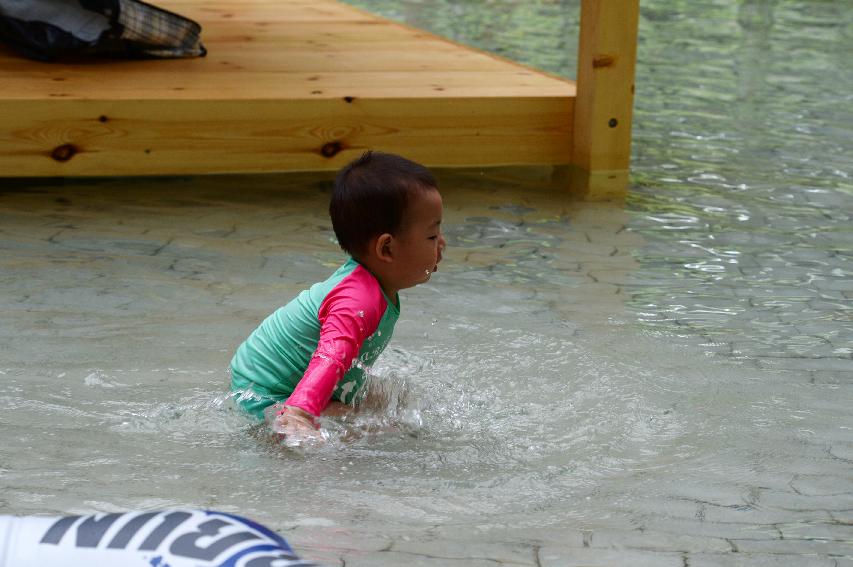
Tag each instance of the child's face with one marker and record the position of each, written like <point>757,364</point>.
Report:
<point>420,242</point>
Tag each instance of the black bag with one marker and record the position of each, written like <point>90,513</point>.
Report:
<point>49,29</point>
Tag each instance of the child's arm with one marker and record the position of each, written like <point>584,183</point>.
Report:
<point>348,316</point>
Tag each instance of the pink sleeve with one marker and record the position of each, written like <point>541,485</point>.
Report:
<point>348,315</point>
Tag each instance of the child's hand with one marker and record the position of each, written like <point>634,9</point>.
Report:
<point>296,427</point>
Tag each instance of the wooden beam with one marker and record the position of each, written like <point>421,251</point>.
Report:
<point>601,151</point>
<point>184,137</point>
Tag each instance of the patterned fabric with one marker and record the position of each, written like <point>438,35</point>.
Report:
<point>48,30</point>
<point>157,32</point>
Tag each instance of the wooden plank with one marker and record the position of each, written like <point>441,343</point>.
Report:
<point>366,31</point>
<point>68,138</point>
<point>271,12</point>
<point>261,58</point>
<point>286,86</point>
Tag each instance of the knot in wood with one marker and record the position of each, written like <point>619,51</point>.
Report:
<point>603,60</point>
<point>331,149</point>
<point>64,152</point>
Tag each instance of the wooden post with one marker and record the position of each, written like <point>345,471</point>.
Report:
<point>607,54</point>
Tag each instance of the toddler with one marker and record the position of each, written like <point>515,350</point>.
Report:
<point>386,213</point>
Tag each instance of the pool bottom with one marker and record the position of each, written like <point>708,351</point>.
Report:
<point>532,419</point>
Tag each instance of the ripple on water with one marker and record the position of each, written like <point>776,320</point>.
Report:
<point>729,407</point>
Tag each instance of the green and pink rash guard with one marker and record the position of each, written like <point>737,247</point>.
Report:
<point>314,348</point>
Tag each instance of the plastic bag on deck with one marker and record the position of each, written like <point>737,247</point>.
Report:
<point>49,29</point>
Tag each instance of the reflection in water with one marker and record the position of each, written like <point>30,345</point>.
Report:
<point>754,215</point>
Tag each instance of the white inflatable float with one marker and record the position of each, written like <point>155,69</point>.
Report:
<point>163,538</point>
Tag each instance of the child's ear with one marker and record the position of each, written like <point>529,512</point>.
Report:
<point>383,247</point>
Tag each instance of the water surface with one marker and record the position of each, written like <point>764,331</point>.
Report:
<point>662,383</point>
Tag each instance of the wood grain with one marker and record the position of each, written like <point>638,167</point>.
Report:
<point>287,85</point>
<point>69,138</point>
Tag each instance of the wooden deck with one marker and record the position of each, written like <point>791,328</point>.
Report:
<point>311,84</point>
<point>286,85</point>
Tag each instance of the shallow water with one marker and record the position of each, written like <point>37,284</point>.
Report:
<point>662,383</point>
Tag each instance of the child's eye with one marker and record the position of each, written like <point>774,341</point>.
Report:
<point>433,237</point>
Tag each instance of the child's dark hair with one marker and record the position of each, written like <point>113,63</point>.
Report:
<point>370,197</point>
